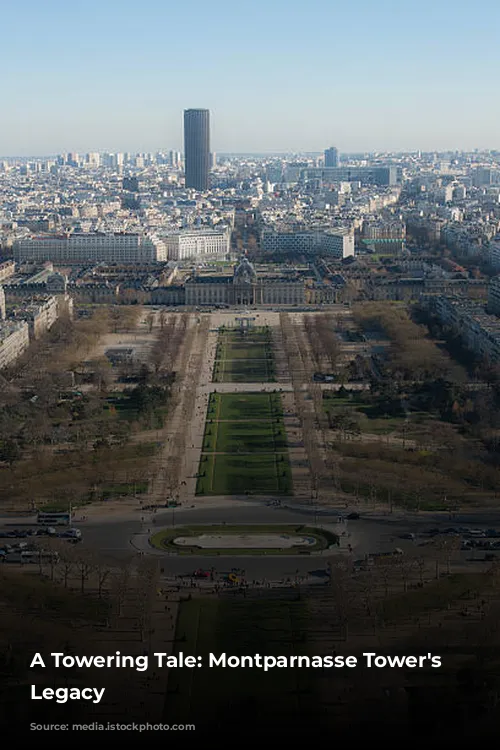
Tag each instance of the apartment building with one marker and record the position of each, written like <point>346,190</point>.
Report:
<point>14,340</point>
<point>376,175</point>
<point>479,331</point>
<point>104,293</point>
<point>91,247</point>
<point>197,244</point>
<point>7,269</point>
<point>40,315</point>
<point>338,244</point>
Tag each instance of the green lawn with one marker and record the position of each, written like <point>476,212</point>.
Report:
<point>245,443</point>
<point>244,437</point>
<point>254,474</point>
<point>212,697</point>
<point>243,371</point>
<point>252,350</point>
<point>166,539</point>
<point>245,406</point>
<point>244,357</point>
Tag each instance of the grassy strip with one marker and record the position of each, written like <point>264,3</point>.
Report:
<point>250,444</point>
<point>249,626</point>
<point>245,474</point>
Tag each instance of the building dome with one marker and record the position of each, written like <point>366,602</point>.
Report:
<point>244,272</point>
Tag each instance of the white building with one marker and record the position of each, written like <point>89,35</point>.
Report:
<point>337,243</point>
<point>93,159</point>
<point>2,304</point>
<point>14,340</point>
<point>197,244</point>
<point>91,248</point>
<point>175,159</point>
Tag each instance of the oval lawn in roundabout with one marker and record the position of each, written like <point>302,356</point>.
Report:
<point>244,540</point>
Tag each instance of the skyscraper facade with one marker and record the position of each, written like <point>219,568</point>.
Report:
<point>197,148</point>
<point>331,157</point>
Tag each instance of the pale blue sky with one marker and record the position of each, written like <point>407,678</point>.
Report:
<point>276,75</point>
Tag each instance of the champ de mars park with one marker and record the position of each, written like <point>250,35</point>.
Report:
<point>249,481</point>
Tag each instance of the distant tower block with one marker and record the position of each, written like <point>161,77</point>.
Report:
<point>331,157</point>
<point>197,148</point>
<point>2,304</point>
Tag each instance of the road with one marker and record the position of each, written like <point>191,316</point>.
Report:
<point>123,539</point>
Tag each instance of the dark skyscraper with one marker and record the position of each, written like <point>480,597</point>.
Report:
<point>197,148</point>
<point>331,157</point>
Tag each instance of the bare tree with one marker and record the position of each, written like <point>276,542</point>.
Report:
<point>121,579</point>
<point>406,567</point>
<point>385,569</point>
<point>341,588</point>
<point>84,565</point>
<point>103,573</point>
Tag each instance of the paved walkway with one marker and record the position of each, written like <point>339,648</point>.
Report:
<point>197,426</point>
<point>277,386</point>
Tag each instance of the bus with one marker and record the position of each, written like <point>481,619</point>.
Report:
<point>54,519</point>
<point>32,557</point>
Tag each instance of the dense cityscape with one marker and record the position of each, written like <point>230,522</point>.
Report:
<point>155,229</point>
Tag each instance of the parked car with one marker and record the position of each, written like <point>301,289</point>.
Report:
<point>201,573</point>
<point>70,534</point>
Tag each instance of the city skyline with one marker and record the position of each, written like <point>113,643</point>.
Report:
<point>295,80</point>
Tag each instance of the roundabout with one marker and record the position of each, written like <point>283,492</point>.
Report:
<point>244,540</point>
